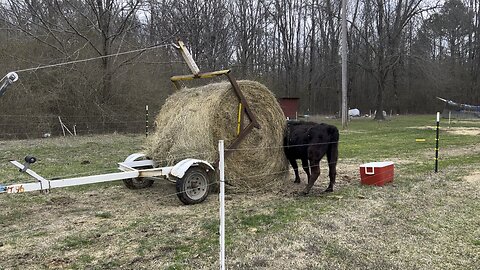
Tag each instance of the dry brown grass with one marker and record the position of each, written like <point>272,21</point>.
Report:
<point>432,224</point>
<point>429,223</point>
<point>420,221</point>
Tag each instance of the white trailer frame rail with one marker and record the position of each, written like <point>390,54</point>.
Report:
<point>45,185</point>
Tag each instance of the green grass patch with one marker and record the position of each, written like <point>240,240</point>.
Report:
<point>85,259</point>
<point>105,215</point>
<point>176,266</point>
<point>76,242</point>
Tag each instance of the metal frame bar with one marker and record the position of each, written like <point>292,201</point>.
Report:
<point>238,92</point>
<point>43,184</point>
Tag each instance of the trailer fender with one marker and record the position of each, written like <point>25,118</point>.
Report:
<point>181,167</point>
<point>137,160</point>
<point>134,157</point>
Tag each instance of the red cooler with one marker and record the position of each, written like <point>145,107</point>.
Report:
<point>376,173</point>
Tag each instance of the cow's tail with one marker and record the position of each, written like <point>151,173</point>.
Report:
<point>332,152</point>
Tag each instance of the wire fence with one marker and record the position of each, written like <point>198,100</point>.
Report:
<point>86,124</point>
<point>379,176</point>
<point>19,126</point>
<point>171,160</point>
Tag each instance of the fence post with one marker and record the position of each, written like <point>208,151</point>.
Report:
<point>61,125</point>
<point>449,117</point>
<point>146,120</point>
<point>221,167</point>
<point>436,142</point>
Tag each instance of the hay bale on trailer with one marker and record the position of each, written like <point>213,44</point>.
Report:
<point>192,121</point>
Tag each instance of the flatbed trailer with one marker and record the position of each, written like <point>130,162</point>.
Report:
<point>192,177</point>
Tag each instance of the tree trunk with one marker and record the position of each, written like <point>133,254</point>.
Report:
<point>380,62</point>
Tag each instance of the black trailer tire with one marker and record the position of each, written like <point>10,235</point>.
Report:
<point>138,183</point>
<point>194,186</point>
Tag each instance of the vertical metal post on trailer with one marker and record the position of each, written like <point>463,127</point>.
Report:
<point>239,118</point>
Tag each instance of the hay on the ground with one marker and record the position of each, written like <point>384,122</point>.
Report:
<point>192,121</point>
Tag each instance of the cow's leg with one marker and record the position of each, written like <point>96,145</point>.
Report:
<point>332,157</point>
<point>306,168</point>
<point>315,154</point>
<point>293,162</point>
<point>315,170</point>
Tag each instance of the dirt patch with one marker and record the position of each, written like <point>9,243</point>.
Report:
<point>459,151</point>
<point>470,131</point>
<point>473,178</point>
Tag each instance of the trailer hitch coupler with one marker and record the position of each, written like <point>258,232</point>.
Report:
<point>28,160</point>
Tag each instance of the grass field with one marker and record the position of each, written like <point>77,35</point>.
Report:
<point>423,220</point>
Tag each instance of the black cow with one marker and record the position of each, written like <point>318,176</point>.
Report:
<point>309,142</point>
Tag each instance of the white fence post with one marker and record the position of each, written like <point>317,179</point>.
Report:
<point>221,167</point>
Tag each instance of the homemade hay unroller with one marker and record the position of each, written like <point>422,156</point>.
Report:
<point>245,114</point>
<point>194,119</point>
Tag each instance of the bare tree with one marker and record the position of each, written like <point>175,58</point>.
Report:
<point>247,18</point>
<point>391,21</point>
<point>100,24</point>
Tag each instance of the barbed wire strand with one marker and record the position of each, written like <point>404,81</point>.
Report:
<point>267,185</point>
<point>93,58</point>
<point>141,114</point>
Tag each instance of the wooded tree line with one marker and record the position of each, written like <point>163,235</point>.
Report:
<point>401,54</point>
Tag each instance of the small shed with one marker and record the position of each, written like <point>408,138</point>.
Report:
<point>289,106</point>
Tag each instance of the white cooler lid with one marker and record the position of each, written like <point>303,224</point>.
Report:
<point>377,164</point>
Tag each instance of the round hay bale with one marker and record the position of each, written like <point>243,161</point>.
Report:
<point>192,121</point>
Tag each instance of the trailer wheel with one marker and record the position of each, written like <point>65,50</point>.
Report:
<point>194,186</point>
<point>140,182</point>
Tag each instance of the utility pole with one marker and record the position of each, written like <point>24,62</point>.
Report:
<point>344,64</point>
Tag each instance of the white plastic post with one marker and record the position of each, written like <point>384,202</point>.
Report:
<point>449,117</point>
<point>436,141</point>
<point>221,167</point>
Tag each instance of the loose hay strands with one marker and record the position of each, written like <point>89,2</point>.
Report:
<point>192,120</point>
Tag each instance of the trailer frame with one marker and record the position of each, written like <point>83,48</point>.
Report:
<point>189,191</point>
